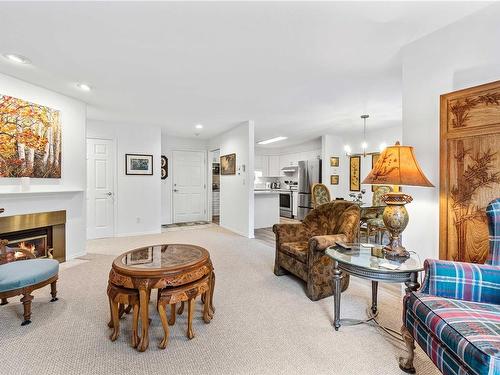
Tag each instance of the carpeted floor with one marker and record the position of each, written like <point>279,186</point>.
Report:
<point>263,324</point>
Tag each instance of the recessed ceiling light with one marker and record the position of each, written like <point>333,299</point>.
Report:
<point>18,59</point>
<point>272,140</point>
<point>83,86</point>
<point>199,126</point>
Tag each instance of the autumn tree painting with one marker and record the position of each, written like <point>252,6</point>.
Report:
<point>30,139</point>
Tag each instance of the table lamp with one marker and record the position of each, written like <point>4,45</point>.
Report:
<point>396,165</point>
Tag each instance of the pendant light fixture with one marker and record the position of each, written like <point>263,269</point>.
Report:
<point>364,144</point>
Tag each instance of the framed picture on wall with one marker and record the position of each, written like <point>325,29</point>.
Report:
<point>355,173</point>
<point>228,164</point>
<point>138,164</point>
<point>334,161</point>
<point>164,167</point>
<point>334,179</point>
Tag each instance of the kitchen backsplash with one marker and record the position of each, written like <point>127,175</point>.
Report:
<point>260,183</point>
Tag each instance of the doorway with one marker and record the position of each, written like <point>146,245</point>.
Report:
<point>215,158</point>
<point>189,186</point>
<point>100,188</point>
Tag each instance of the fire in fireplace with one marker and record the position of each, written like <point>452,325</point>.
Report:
<point>38,241</point>
<point>36,245</point>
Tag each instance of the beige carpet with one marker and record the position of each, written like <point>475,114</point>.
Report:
<point>263,324</point>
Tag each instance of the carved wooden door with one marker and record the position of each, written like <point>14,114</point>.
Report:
<point>469,170</point>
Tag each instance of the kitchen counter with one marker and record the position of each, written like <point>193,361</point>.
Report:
<point>266,208</point>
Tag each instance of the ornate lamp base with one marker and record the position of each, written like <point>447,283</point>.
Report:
<point>395,220</point>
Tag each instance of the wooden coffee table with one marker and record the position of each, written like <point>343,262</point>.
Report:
<point>157,267</point>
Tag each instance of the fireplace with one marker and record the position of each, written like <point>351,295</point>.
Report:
<point>37,241</point>
<point>42,234</point>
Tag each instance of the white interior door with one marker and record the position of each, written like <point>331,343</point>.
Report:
<point>100,188</point>
<point>189,186</point>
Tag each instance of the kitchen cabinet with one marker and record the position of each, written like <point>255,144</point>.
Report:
<point>274,166</point>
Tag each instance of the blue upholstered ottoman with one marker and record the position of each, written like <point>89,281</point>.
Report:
<point>24,276</point>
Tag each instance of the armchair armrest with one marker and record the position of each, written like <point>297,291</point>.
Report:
<point>290,232</point>
<point>462,281</point>
<point>321,243</point>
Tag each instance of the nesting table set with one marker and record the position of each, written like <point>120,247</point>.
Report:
<point>179,272</point>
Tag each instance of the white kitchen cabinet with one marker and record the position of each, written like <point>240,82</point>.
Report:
<point>259,163</point>
<point>284,161</point>
<point>274,166</point>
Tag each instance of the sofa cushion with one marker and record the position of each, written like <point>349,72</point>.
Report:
<point>471,330</point>
<point>24,273</point>
<point>298,250</point>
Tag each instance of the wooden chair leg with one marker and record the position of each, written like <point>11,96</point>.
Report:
<point>4,302</point>
<point>164,322</point>
<point>190,333</point>
<point>406,362</point>
<point>26,300</point>
<point>207,317</point>
<point>110,324</point>
<point>135,326</point>
<point>171,321</point>
<point>53,291</point>
<point>180,310</point>
<point>116,321</point>
<point>128,309</point>
<point>212,288</point>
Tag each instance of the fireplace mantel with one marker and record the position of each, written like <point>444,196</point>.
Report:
<point>39,192</point>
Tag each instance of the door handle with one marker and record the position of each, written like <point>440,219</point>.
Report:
<point>109,193</point>
<point>175,190</point>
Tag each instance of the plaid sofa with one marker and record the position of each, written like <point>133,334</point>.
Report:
<point>455,316</point>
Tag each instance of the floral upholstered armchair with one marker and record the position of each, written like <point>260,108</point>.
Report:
<point>300,248</point>
<point>455,316</point>
<point>320,194</point>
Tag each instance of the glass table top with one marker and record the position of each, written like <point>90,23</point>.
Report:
<point>373,259</point>
<point>162,256</point>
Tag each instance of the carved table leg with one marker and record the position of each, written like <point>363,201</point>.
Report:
<point>337,277</point>
<point>53,291</point>
<point>190,333</point>
<point>171,321</point>
<point>135,324</point>
<point>163,317</point>
<point>26,300</point>
<point>4,302</point>
<point>115,318</point>
<point>374,296</point>
<point>406,363</point>
<point>144,308</point>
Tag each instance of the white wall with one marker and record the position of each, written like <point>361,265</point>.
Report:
<point>73,117</point>
<point>333,145</point>
<point>169,144</point>
<point>137,198</point>
<point>462,55</point>
<point>311,145</point>
<point>236,191</point>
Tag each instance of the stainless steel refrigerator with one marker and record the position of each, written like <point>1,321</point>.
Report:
<point>309,174</point>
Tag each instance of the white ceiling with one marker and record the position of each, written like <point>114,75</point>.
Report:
<point>296,69</point>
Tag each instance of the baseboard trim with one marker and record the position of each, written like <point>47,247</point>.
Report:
<point>237,232</point>
<point>137,233</point>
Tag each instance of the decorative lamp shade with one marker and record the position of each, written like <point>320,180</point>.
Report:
<point>397,165</point>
